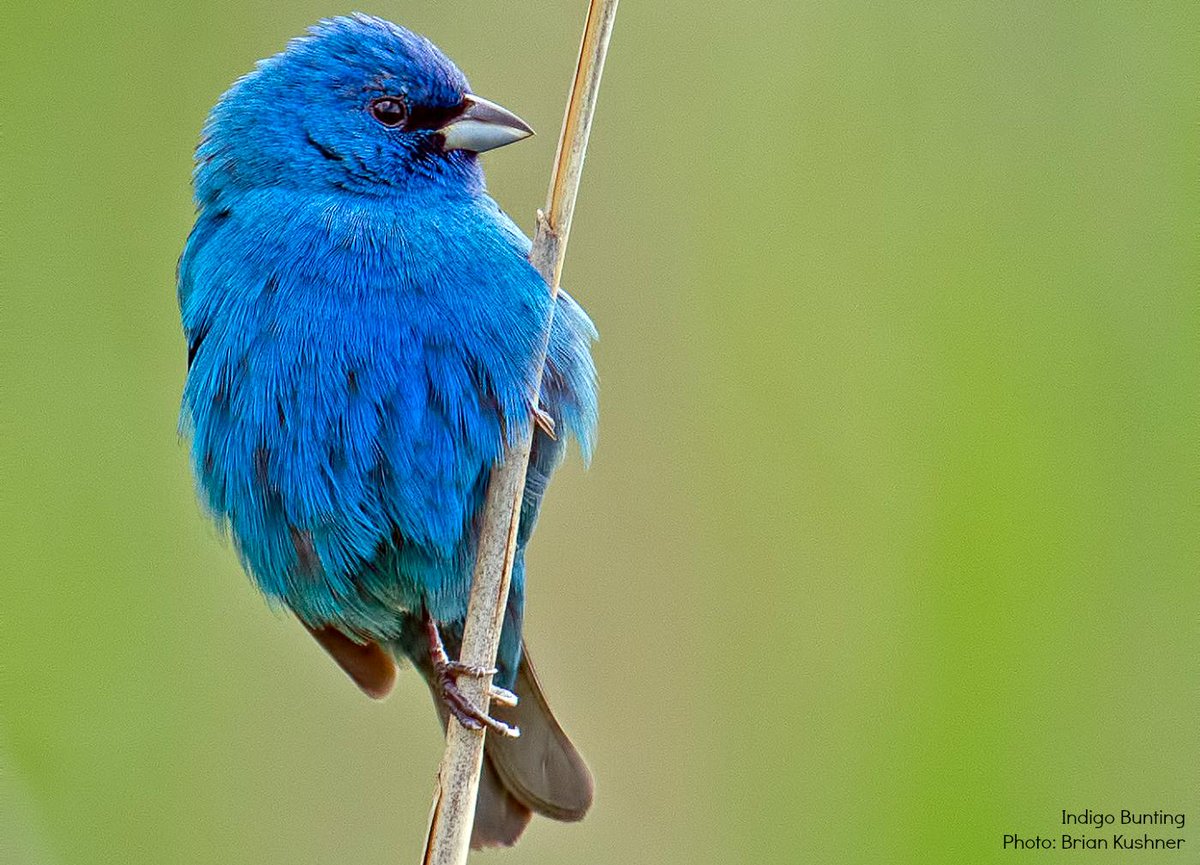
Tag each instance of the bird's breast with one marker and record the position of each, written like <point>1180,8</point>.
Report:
<point>357,376</point>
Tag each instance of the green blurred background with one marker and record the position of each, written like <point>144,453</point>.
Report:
<point>891,544</point>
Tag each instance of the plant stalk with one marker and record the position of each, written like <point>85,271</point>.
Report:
<point>453,811</point>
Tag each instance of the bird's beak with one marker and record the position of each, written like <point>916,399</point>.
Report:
<point>483,125</point>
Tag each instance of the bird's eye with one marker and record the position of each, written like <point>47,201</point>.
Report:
<point>388,110</point>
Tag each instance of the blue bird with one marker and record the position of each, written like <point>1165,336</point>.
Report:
<point>363,327</point>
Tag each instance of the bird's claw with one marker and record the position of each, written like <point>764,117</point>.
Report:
<point>462,709</point>
<point>447,672</point>
<point>503,696</point>
<point>458,668</point>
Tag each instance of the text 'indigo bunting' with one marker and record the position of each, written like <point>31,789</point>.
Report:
<point>363,328</point>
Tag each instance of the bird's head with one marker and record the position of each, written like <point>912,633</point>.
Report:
<point>358,104</point>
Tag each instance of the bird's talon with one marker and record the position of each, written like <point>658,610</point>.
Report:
<point>470,717</point>
<point>447,673</point>
<point>503,696</point>
<point>458,668</point>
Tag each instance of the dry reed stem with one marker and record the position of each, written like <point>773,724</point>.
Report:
<point>453,810</point>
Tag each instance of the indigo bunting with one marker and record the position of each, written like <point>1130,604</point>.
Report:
<point>363,327</point>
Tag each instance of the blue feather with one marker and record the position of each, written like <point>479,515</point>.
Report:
<point>363,327</point>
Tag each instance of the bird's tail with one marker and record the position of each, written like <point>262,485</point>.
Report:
<point>540,772</point>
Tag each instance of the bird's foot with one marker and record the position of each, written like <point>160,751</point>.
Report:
<point>462,709</point>
<point>447,673</point>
